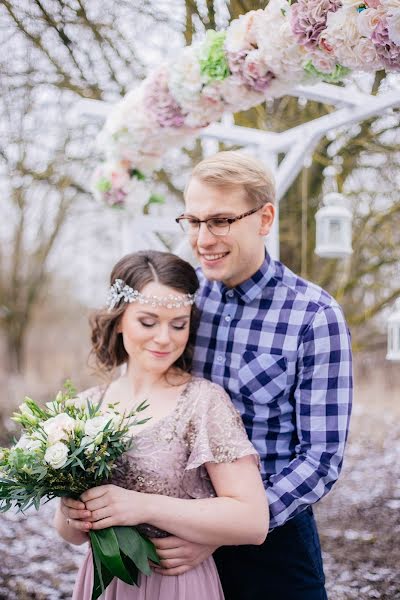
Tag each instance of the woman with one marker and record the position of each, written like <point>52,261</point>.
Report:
<point>192,471</point>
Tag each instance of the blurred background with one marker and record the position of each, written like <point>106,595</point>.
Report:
<point>57,245</point>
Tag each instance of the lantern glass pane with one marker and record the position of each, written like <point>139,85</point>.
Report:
<point>335,231</point>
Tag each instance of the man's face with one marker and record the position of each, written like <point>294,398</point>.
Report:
<point>235,257</point>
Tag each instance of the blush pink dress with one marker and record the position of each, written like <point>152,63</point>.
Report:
<point>169,458</point>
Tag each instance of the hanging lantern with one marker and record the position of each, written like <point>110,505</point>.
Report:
<point>333,232</point>
<point>333,221</point>
<point>393,351</point>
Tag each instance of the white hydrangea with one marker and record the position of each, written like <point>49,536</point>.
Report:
<point>281,52</point>
<point>56,455</point>
<point>184,79</point>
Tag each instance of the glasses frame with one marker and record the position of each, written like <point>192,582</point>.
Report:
<point>229,221</point>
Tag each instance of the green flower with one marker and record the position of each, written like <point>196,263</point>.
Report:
<point>103,185</point>
<point>336,76</point>
<point>213,62</point>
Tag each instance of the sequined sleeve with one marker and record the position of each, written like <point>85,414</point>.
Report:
<point>215,430</point>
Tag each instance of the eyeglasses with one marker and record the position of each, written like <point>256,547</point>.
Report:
<point>215,225</point>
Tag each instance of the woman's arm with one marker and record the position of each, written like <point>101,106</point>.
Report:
<point>67,530</point>
<point>239,515</point>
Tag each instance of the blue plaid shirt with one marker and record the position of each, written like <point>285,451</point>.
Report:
<point>280,347</point>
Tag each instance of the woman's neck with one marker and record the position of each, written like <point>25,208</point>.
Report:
<point>141,382</point>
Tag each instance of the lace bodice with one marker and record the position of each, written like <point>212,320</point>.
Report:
<point>169,456</point>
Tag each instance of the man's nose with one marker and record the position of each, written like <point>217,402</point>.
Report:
<point>204,236</point>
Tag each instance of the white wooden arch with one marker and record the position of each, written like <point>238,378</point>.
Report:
<point>297,143</point>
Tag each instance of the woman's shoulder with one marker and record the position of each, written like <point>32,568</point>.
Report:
<point>205,385</point>
<point>205,393</point>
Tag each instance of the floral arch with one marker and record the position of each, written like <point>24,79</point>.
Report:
<point>263,54</point>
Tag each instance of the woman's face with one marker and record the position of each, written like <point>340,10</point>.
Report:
<point>155,337</point>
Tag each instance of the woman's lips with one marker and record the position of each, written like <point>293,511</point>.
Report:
<point>159,354</point>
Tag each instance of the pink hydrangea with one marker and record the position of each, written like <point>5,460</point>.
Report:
<point>160,103</point>
<point>387,50</point>
<point>308,19</point>
<point>250,69</point>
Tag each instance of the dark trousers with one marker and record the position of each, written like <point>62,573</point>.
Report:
<point>287,566</point>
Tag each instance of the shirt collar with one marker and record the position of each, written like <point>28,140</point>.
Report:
<point>252,287</point>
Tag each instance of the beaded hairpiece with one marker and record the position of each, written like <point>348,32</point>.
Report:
<point>120,291</point>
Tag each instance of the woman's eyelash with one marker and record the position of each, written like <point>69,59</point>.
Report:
<point>174,326</point>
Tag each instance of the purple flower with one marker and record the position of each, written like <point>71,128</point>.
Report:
<point>388,51</point>
<point>160,103</point>
<point>308,19</point>
<point>250,69</point>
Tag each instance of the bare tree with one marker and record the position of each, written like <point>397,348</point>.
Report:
<point>55,52</point>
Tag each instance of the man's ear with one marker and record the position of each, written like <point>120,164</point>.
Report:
<point>267,218</point>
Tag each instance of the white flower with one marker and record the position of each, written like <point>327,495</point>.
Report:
<point>96,425</point>
<point>284,57</point>
<point>28,414</point>
<point>349,48</point>
<point>79,402</point>
<point>323,61</point>
<point>185,80</point>
<point>56,455</point>
<point>393,22</point>
<point>26,443</point>
<point>59,427</point>
<point>240,34</point>
<point>368,19</point>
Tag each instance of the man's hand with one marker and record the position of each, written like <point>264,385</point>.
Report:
<point>178,556</point>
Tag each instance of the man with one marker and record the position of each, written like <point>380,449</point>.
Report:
<point>280,347</point>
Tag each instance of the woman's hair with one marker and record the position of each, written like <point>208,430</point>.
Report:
<point>230,169</point>
<point>137,270</point>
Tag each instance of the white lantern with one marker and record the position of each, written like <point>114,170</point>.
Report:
<point>333,228</point>
<point>393,351</point>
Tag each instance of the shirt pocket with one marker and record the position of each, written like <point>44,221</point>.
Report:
<point>262,377</point>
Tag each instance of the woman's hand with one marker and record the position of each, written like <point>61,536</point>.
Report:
<point>75,513</point>
<point>112,505</point>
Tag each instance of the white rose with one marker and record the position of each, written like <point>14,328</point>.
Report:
<point>26,443</point>
<point>59,427</point>
<point>56,455</point>
<point>96,425</point>
<point>368,19</point>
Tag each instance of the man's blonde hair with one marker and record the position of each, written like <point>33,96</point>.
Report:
<point>231,169</point>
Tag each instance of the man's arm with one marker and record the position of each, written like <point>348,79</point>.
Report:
<point>323,397</point>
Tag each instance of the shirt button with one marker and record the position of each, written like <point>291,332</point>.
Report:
<point>227,318</point>
<point>230,294</point>
<point>220,359</point>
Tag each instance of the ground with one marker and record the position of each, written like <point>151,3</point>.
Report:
<point>359,522</point>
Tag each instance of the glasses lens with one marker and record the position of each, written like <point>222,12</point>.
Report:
<point>218,226</point>
<point>189,225</point>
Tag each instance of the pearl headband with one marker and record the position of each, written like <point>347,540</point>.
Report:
<point>120,291</point>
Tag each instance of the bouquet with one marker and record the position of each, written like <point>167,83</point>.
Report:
<point>67,447</point>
